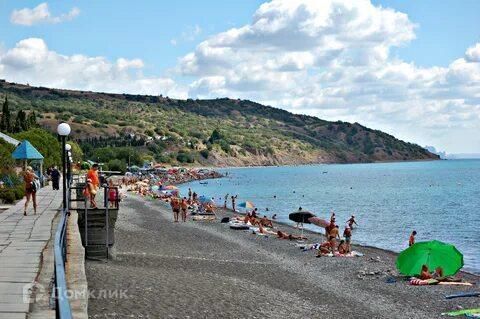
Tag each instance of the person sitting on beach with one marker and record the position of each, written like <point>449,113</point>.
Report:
<point>425,273</point>
<point>411,240</point>
<point>274,216</point>
<point>266,222</point>
<point>325,248</point>
<point>438,273</point>
<point>342,247</point>
<point>351,221</point>
<point>333,235</point>
<point>347,233</point>
<point>254,213</point>
<point>209,208</point>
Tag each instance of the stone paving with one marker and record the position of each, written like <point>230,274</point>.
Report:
<point>22,241</point>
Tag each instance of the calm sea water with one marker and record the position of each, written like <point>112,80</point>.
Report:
<point>439,199</point>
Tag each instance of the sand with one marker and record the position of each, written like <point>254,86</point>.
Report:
<point>206,270</point>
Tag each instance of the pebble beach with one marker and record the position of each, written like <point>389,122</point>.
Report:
<point>202,269</point>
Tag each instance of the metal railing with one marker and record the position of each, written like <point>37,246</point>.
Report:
<point>62,304</point>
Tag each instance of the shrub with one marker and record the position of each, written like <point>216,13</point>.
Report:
<point>204,153</point>
<point>184,157</point>
<point>7,195</point>
<point>117,165</point>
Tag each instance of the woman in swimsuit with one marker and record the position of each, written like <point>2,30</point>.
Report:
<point>30,191</point>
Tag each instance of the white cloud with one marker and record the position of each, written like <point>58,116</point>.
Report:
<point>190,34</point>
<point>31,61</point>
<point>40,14</point>
<point>331,59</point>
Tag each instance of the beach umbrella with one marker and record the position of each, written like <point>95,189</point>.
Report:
<point>247,205</point>
<point>431,253</point>
<point>169,188</point>
<point>319,222</point>
<point>301,216</point>
<point>205,200</point>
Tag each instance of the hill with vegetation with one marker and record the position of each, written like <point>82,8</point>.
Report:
<point>219,132</point>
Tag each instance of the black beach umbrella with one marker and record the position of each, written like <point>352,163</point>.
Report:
<point>301,216</point>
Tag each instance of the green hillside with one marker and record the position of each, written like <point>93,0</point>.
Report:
<point>203,132</point>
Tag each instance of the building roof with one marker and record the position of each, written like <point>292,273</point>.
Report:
<point>26,151</point>
<point>9,139</point>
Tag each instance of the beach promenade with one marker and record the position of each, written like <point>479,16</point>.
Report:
<point>23,240</point>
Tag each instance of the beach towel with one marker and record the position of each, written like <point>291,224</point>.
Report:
<point>420,282</point>
<point>449,283</point>
<point>203,218</point>
<point>307,247</point>
<point>462,312</point>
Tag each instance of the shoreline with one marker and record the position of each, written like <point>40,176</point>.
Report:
<point>384,250</point>
<point>288,224</point>
<point>205,269</point>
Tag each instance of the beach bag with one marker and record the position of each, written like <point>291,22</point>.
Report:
<point>35,186</point>
<point>225,220</point>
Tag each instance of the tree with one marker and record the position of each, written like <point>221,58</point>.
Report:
<point>20,122</point>
<point>31,121</point>
<point>5,121</point>
<point>215,136</point>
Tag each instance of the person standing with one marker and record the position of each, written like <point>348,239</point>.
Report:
<point>234,198</point>
<point>93,183</point>
<point>184,206</point>
<point>175,204</point>
<point>190,195</point>
<point>30,189</point>
<point>55,176</point>
<point>347,233</point>
<point>225,202</point>
<point>411,240</point>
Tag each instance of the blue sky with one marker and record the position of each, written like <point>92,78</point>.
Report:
<point>411,68</point>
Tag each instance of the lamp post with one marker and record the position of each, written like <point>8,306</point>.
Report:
<point>63,130</point>
<point>68,150</point>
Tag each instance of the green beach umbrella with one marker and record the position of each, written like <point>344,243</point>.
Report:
<point>431,253</point>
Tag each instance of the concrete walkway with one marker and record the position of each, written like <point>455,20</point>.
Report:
<point>22,241</point>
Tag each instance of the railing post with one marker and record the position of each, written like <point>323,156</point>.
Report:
<point>106,219</point>
<point>86,223</point>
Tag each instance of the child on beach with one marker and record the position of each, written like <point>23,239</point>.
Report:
<point>112,194</point>
<point>342,247</point>
<point>347,233</point>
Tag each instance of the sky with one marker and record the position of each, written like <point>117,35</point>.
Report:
<point>410,68</point>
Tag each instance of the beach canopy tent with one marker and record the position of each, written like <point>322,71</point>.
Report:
<point>27,152</point>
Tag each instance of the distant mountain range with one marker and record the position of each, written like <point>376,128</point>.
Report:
<point>444,155</point>
<point>218,132</point>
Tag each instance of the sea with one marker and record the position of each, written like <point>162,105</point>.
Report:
<point>438,199</point>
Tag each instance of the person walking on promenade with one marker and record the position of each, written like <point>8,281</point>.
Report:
<point>93,183</point>
<point>55,176</point>
<point>30,189</point>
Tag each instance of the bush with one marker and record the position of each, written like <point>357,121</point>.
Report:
<point>8,196</point>
<point>19,191</point>
<point>184,157</point>
<point>117,165</point>
<point>204,153</point>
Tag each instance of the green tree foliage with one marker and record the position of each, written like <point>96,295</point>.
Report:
<point>6,150</point>
<point>117,165</point>
<point>5,120</point>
